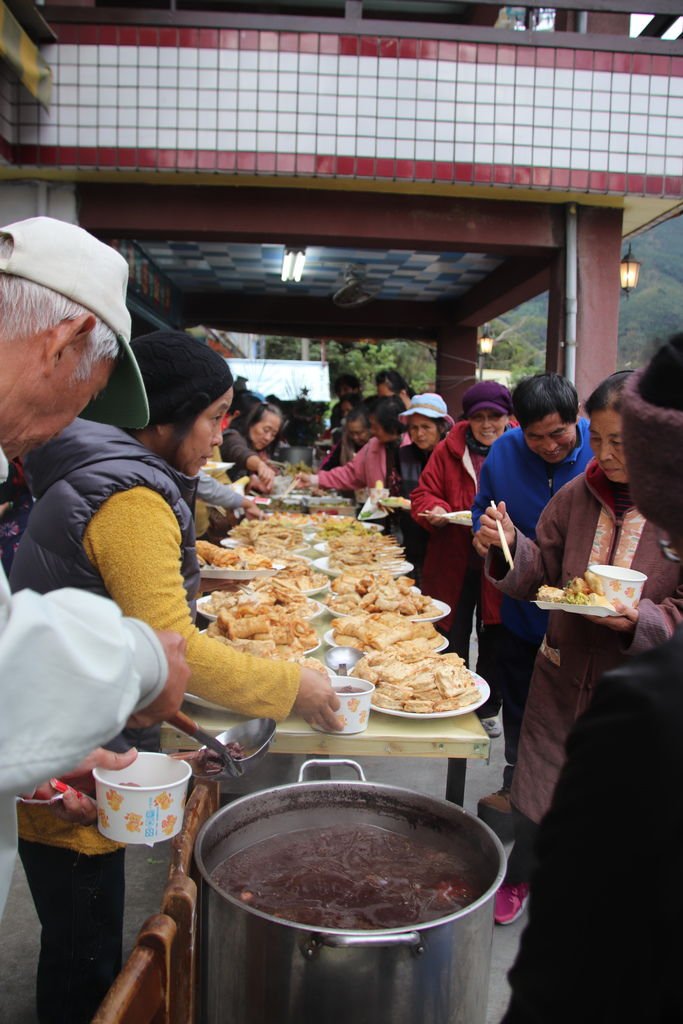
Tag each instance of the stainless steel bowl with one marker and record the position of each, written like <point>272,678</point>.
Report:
<point>342,659</point>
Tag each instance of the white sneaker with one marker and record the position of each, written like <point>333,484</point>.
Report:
<point>491,727</point>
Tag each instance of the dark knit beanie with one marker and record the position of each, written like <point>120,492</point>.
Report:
<point>182,376</point>
<point>652,413</point>
<point>662,380</point>
<point>487,394</point>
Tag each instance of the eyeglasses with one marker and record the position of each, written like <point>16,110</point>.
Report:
<point>667,550</point>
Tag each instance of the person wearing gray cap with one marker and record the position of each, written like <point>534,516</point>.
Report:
<point>73,669</point>
<point>113,515</point>
<point>603,941</point>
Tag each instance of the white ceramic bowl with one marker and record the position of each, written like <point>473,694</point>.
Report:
<point>143,803</point>
<point>625,585</point>
<point>355,706</point>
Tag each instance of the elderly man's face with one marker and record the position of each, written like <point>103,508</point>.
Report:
<point>58,410</point>
<point>41,396</point>
<point>551,438</point>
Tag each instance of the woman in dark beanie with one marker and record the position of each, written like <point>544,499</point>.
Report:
<point>591,520</point>
<point>606,902</point>
<point>448,484</point>
<point>113,516</point>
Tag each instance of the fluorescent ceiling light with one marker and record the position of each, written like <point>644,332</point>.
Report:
<point>293,264</point>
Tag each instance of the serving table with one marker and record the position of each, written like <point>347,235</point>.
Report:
<point>458,738</point>
<point>455,738</point>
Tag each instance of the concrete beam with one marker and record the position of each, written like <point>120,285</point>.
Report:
<point>320,217</point>
<point>312,317</point>
<point>515,281</point>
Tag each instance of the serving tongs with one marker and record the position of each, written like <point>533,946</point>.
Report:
<point>228,765</point>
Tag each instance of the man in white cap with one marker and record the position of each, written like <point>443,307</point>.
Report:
<point>73,669</point>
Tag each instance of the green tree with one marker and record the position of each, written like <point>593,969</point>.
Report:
<point>519,343</point>
<point>284,347</point>
<point>651,313</point>
<point>414,360</point>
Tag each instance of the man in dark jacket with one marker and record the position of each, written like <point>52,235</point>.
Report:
<point>603,942</point>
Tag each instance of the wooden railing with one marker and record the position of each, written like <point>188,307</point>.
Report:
<point>157,984</point>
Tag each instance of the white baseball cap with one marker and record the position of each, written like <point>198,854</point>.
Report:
<point>70,261</point>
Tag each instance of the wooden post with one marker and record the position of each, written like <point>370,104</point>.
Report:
<point>456,364</point>
<point>597,327</point>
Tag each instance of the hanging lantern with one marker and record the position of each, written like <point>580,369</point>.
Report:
<point>629,271</point>
<point>486,341</point>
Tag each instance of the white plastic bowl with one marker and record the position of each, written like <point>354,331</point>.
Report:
<point>625,585</point>
<point>355,707</point>
<point>143,803</point>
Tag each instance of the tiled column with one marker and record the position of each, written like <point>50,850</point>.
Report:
<point>599,252</point>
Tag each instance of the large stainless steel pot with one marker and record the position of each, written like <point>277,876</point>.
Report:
<point>257,969</point>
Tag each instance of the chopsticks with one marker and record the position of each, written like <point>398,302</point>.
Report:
<point>288,488</point>
<point>503,542</point>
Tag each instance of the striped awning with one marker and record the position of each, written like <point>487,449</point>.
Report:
<point>23,56</point>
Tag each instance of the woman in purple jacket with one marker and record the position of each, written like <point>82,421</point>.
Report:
<point>603,941</point>
<point>591,520</point>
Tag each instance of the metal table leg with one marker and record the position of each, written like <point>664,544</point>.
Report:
<point>455,780</point>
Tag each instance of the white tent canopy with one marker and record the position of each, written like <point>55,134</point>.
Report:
<point>284,377</point>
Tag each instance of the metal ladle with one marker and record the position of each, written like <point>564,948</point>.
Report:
<point>255,734</point>
<point>185,724</point>
<point>341,659</point>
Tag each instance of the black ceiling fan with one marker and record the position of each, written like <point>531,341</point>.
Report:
<point>352,293</point>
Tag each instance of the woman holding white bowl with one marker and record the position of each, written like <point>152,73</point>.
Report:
<point>591,520</point>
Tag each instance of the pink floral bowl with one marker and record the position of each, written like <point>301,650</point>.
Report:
<point>143,803</point>
<point>355,696</point>
<point>625,585</point>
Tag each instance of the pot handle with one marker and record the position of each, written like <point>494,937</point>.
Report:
<point>327,763</point>
<point>412,939</point>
